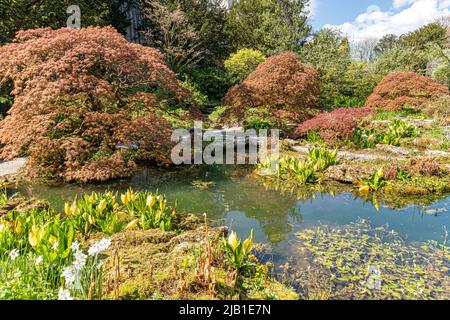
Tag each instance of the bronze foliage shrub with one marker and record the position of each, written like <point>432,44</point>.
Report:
<point>282,83</point>
<point>337,124</point>
<point>85,103</point>
<point>398,89</point>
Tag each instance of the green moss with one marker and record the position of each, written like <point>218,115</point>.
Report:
<point>419,185</point>
<point>167,265</point>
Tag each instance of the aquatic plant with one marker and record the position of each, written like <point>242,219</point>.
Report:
<point>397,130</point>
<point>321,158</point>
<point>301,171</point>
<point>363,262</point>
<point>150,210</point>
<point>3,196</point>
<point>96,212</point>
<point>237,251</point>
<point>373,183</point>
<point>365,138</point>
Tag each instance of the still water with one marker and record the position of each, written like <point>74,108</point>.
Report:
<point>232,197</point>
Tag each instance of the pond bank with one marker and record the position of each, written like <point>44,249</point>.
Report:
<point>237,200</point>
<point>192,260</point>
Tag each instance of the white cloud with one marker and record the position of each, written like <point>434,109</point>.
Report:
<point>404,16</point>
<point>313,7</point>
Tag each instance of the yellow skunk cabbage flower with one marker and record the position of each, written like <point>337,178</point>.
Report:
<point>233,241</point>
<point>3,228</point>
<point>128,196</point>
<point>132,225</point>
<point>53,240</point>
<point>18,227</point>
<point>102,206</point>
<point>334,153</point>
<point>151,201</point>
<point>248,243</point>
<point>380,173</point>
<point>70,209</point>
<point>91,219</point>
<point>67,209</point>
<point>35,235</point>
<point>364,189</point>
<point>162,202</point>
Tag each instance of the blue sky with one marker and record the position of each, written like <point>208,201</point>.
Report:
<point>360,19</point>
<point>340,11</point>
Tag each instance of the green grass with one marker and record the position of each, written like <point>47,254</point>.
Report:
<point>392,115</point>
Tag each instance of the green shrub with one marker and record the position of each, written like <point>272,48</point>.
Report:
<point>213,82</point>
<point>258,118</point>
<point>348,102</point>
<point>198,98</point>
<point>243,62</point>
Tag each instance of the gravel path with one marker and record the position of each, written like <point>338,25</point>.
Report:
<point>12,167</point>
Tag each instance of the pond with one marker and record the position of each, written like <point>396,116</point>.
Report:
<point>231,196</point>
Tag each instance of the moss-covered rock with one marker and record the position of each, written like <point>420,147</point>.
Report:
<point>153,264</point>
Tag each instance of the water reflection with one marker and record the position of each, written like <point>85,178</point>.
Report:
<point>274,210</point>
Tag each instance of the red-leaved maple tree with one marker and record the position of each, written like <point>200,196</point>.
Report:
<point>85,103</point>
<point>398,89</point>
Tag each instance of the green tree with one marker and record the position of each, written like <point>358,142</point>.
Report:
<point>27,14</point>
<point>416,51</point>
<point>422,38</point>
<point>343,81</point>
<point>270,26</point>
<point>243,62</point>
<point>195,29</point>
<point>401,58</point>
<point>386,43</point>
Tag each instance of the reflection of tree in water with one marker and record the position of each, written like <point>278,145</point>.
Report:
<point>387,199</point>
<point>273,211</point>
<point>398,202</point>
<point>232,191</point>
